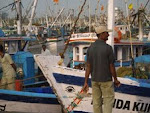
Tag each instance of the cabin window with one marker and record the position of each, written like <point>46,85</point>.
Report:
<point>77,53</point>
<point>137,52</point>
<point>13,47</point>
<point>77,50</point>
<point>84,52</point>
<point>145,51</point>
<point>116,53</point>
<point>125,55</point>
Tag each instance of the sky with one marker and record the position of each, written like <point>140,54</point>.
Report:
<point>43,6</point>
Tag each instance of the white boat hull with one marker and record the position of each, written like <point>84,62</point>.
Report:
<point>67,82</point>
<point>29,107</point>
<point>19,101</point>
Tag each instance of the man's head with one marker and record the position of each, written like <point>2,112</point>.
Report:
<point>102,32</point>
<point>44,47</point>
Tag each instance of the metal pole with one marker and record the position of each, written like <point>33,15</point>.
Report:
<point>111,22</point>
<point>132,57</point>
<point>19,17</point>
<point>57,17</point>
<point>89,16</point>
<point>19,20</point>
<point>32,15</point>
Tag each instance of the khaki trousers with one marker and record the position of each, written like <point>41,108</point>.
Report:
<point>103,94</point>
<point>7,83</point>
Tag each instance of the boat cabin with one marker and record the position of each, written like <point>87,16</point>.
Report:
<point>122,49</point>
<point>15,44</point>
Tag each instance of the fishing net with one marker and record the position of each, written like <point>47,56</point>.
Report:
<point>142,68</point>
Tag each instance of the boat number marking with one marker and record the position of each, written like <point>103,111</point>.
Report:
<point>2,107</point>
<point>129,105</point>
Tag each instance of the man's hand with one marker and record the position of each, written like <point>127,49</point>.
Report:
<point>85,87</point>
<point>117,83</point>
<point>61,55</point>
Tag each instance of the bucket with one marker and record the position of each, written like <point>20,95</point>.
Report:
<point>18,85</point>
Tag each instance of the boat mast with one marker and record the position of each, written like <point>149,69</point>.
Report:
<point>32,15</point>
<point>19,16</point>
<point>89,16</point>
<point>96,10</point>
<point>140,25</point>
<point>19,21</point>
<point>57,17</point>
<point>128,20</point>
<point>66,19</point>
<point>47,21</point>
<point>132,56</point>
<point>110,22</point>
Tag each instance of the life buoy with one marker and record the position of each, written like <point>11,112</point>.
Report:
<point>118,35</point>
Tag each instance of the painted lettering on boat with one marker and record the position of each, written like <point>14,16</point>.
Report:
<point>2,107</point>
<point>133,106</point>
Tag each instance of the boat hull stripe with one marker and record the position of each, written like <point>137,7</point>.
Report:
<point>124,88</point>
<point>28,99</point>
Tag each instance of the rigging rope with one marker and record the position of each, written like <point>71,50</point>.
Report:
<point>146,4</point>
<point>22,80</point>
<point>8,5</point>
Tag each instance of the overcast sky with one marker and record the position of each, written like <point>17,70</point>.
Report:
<point>44,5</point>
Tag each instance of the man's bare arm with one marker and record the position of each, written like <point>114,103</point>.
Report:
<point>87,73</point>
<point>113,72</point>
<point>14,66</point>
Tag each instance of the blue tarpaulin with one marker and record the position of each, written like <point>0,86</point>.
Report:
<point>2,34</point>
<point>142,82</point>
<point>27,61</point>
<point>142,59</point>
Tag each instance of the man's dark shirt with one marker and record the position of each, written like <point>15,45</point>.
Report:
<point>100,56</point>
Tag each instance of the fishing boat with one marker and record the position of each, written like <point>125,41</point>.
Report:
<point>131,97</point>
<point>81,41</point>
<point>30,94</point>
<point>124,46</point>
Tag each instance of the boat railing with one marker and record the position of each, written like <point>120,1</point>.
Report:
<point>23,80</point>
<point>121,63</point>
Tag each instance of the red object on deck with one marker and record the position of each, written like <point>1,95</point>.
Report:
<point>18,85</point>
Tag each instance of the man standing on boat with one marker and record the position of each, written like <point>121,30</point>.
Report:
<point>100,64</point>
<point>9,68</point>
<point>45,51</point>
